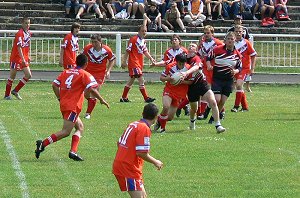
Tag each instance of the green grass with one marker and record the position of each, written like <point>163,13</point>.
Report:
<point>258,156</point>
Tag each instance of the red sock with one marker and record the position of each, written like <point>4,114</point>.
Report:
<point>49,140</point>
<point>238,97</point>
<point>203,106</point>
<point>244,101</point>
<point>8,87</point>
<point>125,92</point>
<point>21,84</point>
<point>143,91</point>
<point>91,105</point>
<point>75,143</point>
<point>163,120</point>
<point>183,103</point>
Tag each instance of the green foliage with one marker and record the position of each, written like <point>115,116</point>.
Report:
<point>258,156</point>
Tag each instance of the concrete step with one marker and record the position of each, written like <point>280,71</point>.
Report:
<point>31,6</point>
<point>32,13</point>
<point>39,1</point>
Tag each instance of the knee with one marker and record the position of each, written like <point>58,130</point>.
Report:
<point>28,76</point>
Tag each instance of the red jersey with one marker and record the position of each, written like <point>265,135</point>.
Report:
<point>169,55</point>
<point>70,46</point>
<point>179,90</point>
<point>197,75</point>
<point>22,39</point>
<point>136,49</point>
<point>136,138</point>
<point>246,49</point>
<point>97,60</point>
<point>71,85</point>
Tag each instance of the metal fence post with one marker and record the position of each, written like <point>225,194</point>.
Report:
<point>118,50</point>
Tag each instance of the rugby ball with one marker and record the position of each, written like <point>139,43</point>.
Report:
<point>176,78</point>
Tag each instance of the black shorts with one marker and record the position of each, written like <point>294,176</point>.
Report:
<point>223,87</point>
<point>196,90</point>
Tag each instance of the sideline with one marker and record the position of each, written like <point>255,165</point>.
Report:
<point>15,162</point>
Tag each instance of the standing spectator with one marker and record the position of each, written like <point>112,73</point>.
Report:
<point>69,48</point>
<point>195,17</point>
<point>217,8</point>
<point>135,52</point>
<point>101,60</point>
<point>133,150</point>
<point>281,5</point>
<point>71,5</point>
<point>19,60</point>
<point>117,6</point>
<point>225,61</point>
<point>68,88</point>
<point>238,21</point>
<point>231,8</point>
<point>250,6</point>
<point>173,20</point>
<point>152,16</point>
<point>138,5</point>
<point>172,93</point>
<point>248,61</point>
<point>267,8</point>
<point>89,6</point>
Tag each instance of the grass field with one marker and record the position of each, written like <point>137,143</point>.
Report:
<point>258,156</point>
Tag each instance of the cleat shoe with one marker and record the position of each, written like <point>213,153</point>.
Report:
<point>192,125</point>
<point>75,156</point>
<point>7,98</point>
<point>162,130</point>
<point>220,129</point>
<point>178,112</point>
<point>156,126</point>
<point>124,100</point>
<point>87,116</point>
<point>148,100</point>
<point>186,110</point>
<point>211,120</point>
<point>206,112</point>
<point>244,110</point>
<point>16,94</point>
<point>235,109</point>
<point>39,148</point>
<point>200,117</point>
<point>222,115</point>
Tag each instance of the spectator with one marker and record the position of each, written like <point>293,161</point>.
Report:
<point>238,21</point>
<point>89,6</point>
<point>281,5</point>
<point>179,5</point>
<point>103,5</point>
<point>162,6</point>
<point>117,6</point>
<point>231,8</point>
<point>172,19</point>
<point>152,16</point>
<point>195,16</point>
<point>267,8</point>
<point>138,5</point>
<point>71,5</point>
<point>251,7</point>
<point>217,8</point>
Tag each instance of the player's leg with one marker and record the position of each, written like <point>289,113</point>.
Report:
<point>10,80</point>
<point>138,194</point>
<point>22,82</point>
<point>238,95</point>
<point>92,101</point>
<point>143,90</point>
<point>163,117</point>
<point>126,89</point>
<point>75,140</point>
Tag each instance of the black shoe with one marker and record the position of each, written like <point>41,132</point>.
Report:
<point>211,120</point>
<point>39,148</point>
<point>235,109</point>
<point>178,112</point>
<point>75,156</point>
<point>200,117</point>
<point>206,112</point>
<point>124,100</point>
<point>156,126</point>
<point>148,100</point>
<point>222,115</point>
<point>186,110</point>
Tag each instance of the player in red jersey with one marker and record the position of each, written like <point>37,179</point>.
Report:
<point>248,60</point>
<point>19,60</point>
<point>135,52</point>
<point>225,61</point>
<point>172,94</point>
<point>101,60</point>
<point>68,88</point>
<point>69,48</point>
<point>133,150</point>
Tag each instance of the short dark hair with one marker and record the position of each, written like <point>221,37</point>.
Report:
<point>75,25</point>
<point>181,57</point>
<point>25,19</point>
<point>152,4</point>
<point>81,60</point>
<point>97,37</point>
<point>174,36</point>
<point>150,111</point>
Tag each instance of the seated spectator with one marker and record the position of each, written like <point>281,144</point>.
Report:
<point>267,8</point>
<point>215,10</point>
<point>152,16</point>
<point>281,5</point>
<point>249,9</point>
<point>179,4</point>
<point>89,6</point>
<point>162,6</point>
<point>103,5</point>
<point>138,5</point>
<point>231,8</point>
<point>117,6</point>
<point>172,19</point>
<point>195,16</point>
<point>238,21</point>
<point>71,5</point>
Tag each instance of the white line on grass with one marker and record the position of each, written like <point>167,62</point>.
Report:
<point>15,162</point>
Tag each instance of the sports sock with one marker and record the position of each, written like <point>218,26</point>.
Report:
<point>238,97</point>
<point>163,120</point>
<point>49,140</point>
<point>75,142</point>
<point>183,103</point>
<point>8,87</point>
<point>244,101</point>
<point>91,105</point>
<point>21,84</point>
<point>143,91</point>
<point>125,92</point>
<point>203,106</point>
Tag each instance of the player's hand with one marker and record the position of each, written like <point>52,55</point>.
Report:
<point>61,63</point>
<point>107,75</point>
<point>209,67</point>
<point>158,164</point>
<point>104,103</point>
<point>123,65</point>
<point>25,64</point>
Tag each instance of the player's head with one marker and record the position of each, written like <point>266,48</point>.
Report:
<point>192,48</point>
<point>75,28</point>
<point>238,31</point>
<point>142,31</point>
<point>81,61</point>
<point>208,31</point>
<point>230,39</point>
<point>176,40</point>
<point>150,112</point>
<point>96,40</point>
<point>26,23</point>
<point>238,19</point>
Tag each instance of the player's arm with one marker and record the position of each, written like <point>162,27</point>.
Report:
<point>253,63</point>
<point>95,93</point>
<point>147,54</point>
<point>165,78</point>
<point>194,68</point>
<point>109,68</point>
<point>61,60</point>
<point>147,157</point>
<point>124,61</point>
<point>56,90</point>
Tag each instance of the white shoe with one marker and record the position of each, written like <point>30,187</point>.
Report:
<point>77,17</point>
<point>220,129</point>
<point>254,18</point>
<point>87,116</point>
<point>132,17</point>
<point>192,125</point>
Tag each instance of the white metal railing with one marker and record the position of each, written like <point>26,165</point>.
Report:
<point>45,50</point>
